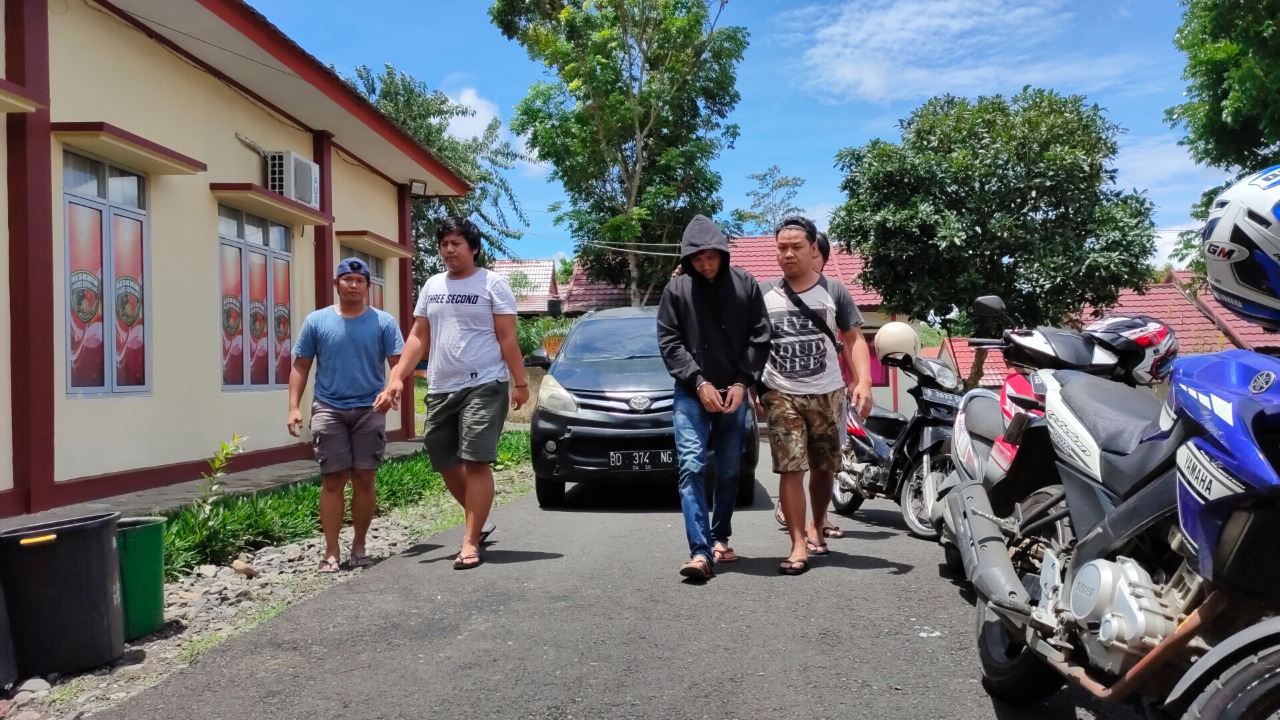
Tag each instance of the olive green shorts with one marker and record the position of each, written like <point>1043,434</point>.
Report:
<point>465,424</point>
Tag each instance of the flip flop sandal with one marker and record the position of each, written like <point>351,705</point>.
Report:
<point>726,555</point>
<point>486,531</point>
<point>777,514</point>
<point>467,562</point>
<point>831,531</point>
<point>358,561</point>
<point>816,548</point>
<point>328,566</point>
<point>696,569</point>
<point>794,567</point>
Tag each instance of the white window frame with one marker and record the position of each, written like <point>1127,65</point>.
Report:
<point>109,210</point>
<point>242,244</point>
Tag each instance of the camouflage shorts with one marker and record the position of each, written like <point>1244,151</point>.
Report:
<point>804,430</point>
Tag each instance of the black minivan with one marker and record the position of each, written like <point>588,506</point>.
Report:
<point>604,409</point>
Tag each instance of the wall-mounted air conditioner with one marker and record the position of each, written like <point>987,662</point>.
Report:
<point>294,177</point>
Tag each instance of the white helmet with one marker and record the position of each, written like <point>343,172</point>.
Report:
<point>899,339</point>
<point>1241,248</point>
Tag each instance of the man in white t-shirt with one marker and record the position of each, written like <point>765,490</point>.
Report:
<point>468,317</point>
<point>813,321</point>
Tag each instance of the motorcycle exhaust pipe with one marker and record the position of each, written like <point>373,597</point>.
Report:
<point>982,548</point>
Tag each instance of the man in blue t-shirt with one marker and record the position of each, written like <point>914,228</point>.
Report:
<point>353,344</point>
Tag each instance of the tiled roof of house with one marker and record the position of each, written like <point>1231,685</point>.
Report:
<point>541,286</point>
<point>757,255</point>
<point>1195,327</point>
<point>933,353</point>
<point>1246,334</point>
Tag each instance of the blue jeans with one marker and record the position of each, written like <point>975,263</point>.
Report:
<point>697,431</point>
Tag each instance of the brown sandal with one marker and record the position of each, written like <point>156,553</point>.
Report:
<point>698,568</point>
<point>727,555</point>
<point>816,548</point>
<point>467,562</point>
<point>794,567</point>
<point>831,531</point>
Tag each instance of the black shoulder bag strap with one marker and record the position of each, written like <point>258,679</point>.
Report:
<point>809,313</point>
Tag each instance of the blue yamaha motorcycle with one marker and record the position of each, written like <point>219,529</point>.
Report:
<point>1128,549</point>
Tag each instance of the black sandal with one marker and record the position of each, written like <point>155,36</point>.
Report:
<point>789,567</point>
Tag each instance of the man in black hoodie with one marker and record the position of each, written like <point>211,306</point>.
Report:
<point>714,336</point>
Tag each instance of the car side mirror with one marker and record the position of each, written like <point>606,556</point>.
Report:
<point>988,306</point>
<point>538,358</point>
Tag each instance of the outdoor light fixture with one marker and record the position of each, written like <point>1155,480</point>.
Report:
<point>418,188</point>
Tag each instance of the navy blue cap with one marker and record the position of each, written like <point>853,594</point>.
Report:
<point>353,265</point>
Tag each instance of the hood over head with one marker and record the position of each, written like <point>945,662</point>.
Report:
<point>700,234</point>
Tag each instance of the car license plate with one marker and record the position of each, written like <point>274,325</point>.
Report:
<point>942,398</point>
<point>642,460</point>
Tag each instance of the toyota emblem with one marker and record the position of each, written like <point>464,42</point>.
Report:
<point>639,403</point>
<point>1262,382</point>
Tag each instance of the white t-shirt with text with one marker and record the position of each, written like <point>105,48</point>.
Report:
<point>464,346</point>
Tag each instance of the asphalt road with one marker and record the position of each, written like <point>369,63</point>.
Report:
<point>579,613</point>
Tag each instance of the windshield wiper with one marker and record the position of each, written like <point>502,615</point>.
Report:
<point>630,357</point>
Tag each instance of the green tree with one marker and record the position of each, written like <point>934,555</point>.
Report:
<point>1232,112</point>
<point>481,160</point>
<point>564,273</point>
<point>772,201</point>
<point>521,285</point>
<point>634,115</point>
<point>1011,196</point>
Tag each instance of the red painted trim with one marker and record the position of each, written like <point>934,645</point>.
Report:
<point>22,92</point>
<point>365,165</point>
<point>394,248</point>
<point>408,418</point>
<point>119,483</point>
<point>177,50</point>
<point>31,269</point>
<point>255,27</point>
<point>398,436</point>
<point>12,503</point>
<point>276,197</point>
<point>322,155</point>
<point>125,135</point>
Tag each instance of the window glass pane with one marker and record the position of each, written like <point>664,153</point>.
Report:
<point>81,175</point>
<point>375,295</point>
<point>377,268</point>
<point>879,373</point>
<point>232,317</point>
<point>281,318</point>
<point>259,345</point>
<point>255,230</point>
<point>280,238</point>
<point>228,223</point>
<point>124,188</point>
<point>84,297</point>
<point>130,335</point>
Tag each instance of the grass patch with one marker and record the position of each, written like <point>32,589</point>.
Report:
<point>420,395</point>
<point>264,614</point>
<point>64,692</point>
<point>233,524</point>
<point>192,650</point>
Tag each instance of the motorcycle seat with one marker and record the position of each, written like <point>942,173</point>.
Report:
<point>1116,416</point>
<point>880,413</point>
<point>1072,348</point>
<point>983,418</point>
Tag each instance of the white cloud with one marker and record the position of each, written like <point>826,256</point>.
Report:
<point>471,126</point>
<point>886,50</point>
<point>559,255</point>
<point>1173,181</point>
<point>1167,240</point>
<point>535,168</point>
<point>820,214</point>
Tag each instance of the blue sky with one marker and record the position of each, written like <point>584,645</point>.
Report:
<point>817,77</point>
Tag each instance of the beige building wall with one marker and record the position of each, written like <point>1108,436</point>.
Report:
<point>6,383</point>
<point>363,200</point>
<point>139,86</point>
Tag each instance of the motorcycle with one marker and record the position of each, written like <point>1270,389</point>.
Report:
<point>1125,549</point>
<point>984,442</point>
<point>892,456</point>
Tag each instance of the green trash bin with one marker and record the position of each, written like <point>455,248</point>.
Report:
<point>141,544</point>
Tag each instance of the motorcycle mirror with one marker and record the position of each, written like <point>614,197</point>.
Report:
<point>988,306</point>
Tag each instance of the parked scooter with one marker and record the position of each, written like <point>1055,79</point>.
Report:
<point>890,455</point>
<point>988,426</point>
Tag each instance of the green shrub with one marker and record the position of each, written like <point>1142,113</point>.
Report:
<point>218,527</point>
<point>531,331</point>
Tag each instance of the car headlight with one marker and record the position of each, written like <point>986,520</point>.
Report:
<point>947,378</point>
<point>553,398</point>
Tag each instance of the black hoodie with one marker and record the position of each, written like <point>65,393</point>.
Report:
<point>714,330</point>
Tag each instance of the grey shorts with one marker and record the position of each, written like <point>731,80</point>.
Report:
<point>347,439</point>
<point>465,424</point>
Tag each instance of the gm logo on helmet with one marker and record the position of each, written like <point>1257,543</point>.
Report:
<point>1223,252</point>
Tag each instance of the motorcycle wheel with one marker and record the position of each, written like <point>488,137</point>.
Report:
<point>911,497</point>
<point>845,502</point>
<point>1010,671</point>
<point>1250,689</point>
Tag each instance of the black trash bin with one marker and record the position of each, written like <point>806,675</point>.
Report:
<point>62,590</point>
<point>8,665</point>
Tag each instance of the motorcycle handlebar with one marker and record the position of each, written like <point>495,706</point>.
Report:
<point>985,342</point>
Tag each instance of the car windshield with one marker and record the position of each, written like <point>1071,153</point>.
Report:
<point>613,339</point>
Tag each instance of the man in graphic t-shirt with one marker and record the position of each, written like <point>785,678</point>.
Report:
<point>465,323</point>
<point>813,320</point>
